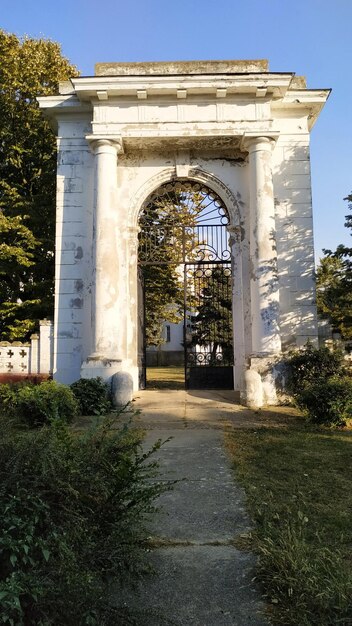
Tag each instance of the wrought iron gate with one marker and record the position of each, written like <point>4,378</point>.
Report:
<point>183,227</point>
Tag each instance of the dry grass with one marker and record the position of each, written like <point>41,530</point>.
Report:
<point>298,484</point>
<point>171,377</point>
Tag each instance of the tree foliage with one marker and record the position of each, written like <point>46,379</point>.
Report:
<point>163,289</point>
<point>334,285</point>
<point>28,68</point>
<point>167,238</point>
<point>212,318</point>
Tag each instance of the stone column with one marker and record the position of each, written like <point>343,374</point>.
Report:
<point>105,232</point>
<point>34,352</point>
<point>263,256</point>
<point>264,286</point>
<point>110,280</point>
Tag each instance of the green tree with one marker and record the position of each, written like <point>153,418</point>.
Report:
<point>211,322</point>
<point>167,239</point>
<point>163,293</point>
<point>334,285</point>
<point>28,68</point>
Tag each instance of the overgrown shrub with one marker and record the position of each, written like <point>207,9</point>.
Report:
<point>318,382</point>
<point>8,398</point>
<point>93,395</point>
<point>327,401</point>
<point>35,405</point>
<point>306,366</point>
<point>73,510</point>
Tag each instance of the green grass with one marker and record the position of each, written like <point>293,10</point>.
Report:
<point>172,377</point>
<point>298,485</point>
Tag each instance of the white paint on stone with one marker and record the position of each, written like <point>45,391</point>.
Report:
<point>252,395</point>
<point>231,125</point>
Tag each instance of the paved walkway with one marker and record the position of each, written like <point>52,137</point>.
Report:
<point>201,578</point>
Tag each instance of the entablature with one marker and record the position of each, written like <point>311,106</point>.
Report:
<point>157,95</point>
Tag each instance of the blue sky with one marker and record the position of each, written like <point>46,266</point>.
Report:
<point>309,37</point>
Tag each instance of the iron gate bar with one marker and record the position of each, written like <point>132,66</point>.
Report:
<point>208,347</point>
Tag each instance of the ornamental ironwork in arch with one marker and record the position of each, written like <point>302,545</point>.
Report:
<point>183,221</point>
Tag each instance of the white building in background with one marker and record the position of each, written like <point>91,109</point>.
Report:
<point>233,126</point>
<point>171,351</point>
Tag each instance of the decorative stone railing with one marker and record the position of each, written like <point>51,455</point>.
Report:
<point>31,358</point>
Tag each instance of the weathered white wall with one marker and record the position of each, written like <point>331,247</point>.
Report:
<point>294,224</point>
<point>74,235</point>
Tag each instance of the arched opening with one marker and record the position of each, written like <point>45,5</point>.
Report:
<point>185,289</point>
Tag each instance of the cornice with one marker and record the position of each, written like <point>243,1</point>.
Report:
<point>311,100</point>
<point>219,85</point>
<point>66,103</point>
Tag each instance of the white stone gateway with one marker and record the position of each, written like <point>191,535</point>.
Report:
<point>232,126</point>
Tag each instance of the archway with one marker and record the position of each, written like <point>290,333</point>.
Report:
<point>185,286</point>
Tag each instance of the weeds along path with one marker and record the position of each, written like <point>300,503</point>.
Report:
<point>297,478</point>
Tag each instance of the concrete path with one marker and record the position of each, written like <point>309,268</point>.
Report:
<point>201,578</point>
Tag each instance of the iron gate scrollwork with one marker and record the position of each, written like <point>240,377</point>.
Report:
<point>184,229</point>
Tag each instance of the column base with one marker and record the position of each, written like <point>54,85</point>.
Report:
<point>97,366</point>
<point>264,381</point>
<point>119,374</point>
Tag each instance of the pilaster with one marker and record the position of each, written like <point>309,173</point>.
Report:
<point>235,236</point>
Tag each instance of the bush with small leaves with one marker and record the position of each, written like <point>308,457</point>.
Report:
<point>327,401</point>
<point>73,511</point>
<point>35,405</point>
<point>8,398</point>
<point>93,395</point>
<point>307,365</point>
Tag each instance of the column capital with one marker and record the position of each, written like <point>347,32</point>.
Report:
<point>97,142</point>
<point>252,139</point>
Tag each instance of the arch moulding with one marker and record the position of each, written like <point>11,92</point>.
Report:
<point>196,174</point>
